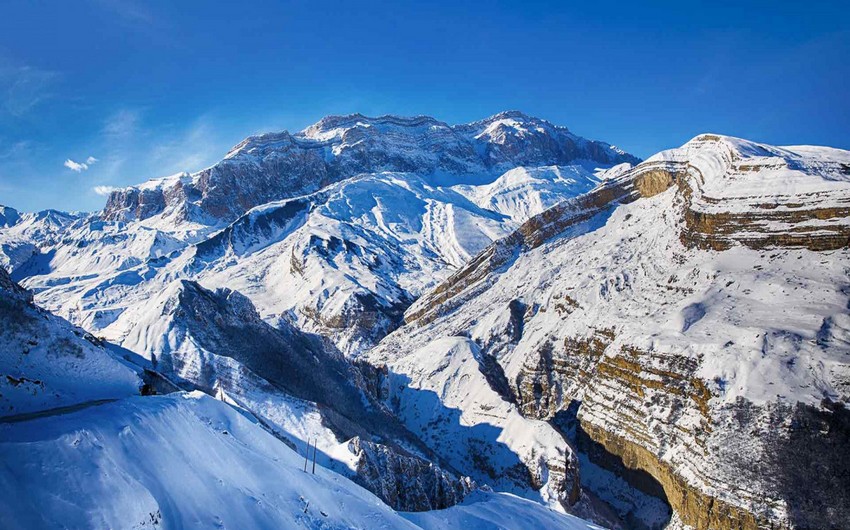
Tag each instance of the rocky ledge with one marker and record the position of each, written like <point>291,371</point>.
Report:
<point>664,304</point>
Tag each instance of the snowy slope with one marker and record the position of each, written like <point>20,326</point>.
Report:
<point>22,235</point>
<point>488,511</point>
<point>344,262</point>
<point>296,384</point>
<point>693,342</point>
<point>176,461</point>
<point>46,363</point>
<point>188,461</point>
<point>524,192</point>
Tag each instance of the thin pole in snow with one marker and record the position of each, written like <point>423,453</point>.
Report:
<point>307,455</point>
<point>315,449</point>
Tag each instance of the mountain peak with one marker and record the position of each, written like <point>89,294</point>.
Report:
<point>8,216</point>
<point>333,127</point>
<point>516,115</point>
<point>280,165</point>
<point>512,118</point>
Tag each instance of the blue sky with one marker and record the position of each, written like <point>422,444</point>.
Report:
<point>152,88</point>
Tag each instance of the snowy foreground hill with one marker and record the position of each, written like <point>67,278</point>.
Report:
<point>452,315</point>
<point>87,453</point>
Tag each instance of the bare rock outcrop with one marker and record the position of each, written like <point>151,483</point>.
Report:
<point>405,482</point>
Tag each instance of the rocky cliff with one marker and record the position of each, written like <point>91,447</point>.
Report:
<point>405,482</point>
<point>689,307</point>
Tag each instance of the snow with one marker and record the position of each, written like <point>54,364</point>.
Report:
<point>46,363</point>
<point>337,247</point>
<point>407,234</point>
<point>176,461</point>
<point>737,174</point>
<point>165,182</point>
<point>19,240</point>
<point>762,325</point>
<point>484,510</point>
<point>766,325</point>
<point>524,192</point>
<point>440,393</point>
<point>409,229</point>
<point>189,461</point>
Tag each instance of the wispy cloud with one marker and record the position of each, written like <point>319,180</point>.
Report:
<point>17,150</point>
<point>79,167</point>
<point>132,152</point>
<point>122,124</point>
<point>104,190</point>
<point>190,149</point>
<point>24,87</point>
<point>149,24</point>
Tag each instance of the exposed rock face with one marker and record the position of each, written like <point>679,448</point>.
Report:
<point>719,213</point>
<point>131,203</point>
<point>456,401</point>
<point>201,337</point>
<point>277,166</point>
<point>13,293</point>
<point>406,483</point>
<point>689,320</point>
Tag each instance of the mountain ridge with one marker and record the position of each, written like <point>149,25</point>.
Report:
<point>338,147</point>
<point>507,321</point>
<point>693,310</point>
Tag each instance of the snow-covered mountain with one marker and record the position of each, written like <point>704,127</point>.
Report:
<point>23,235</point>
<point>443,308</point>
<point>277,166</point>
<point>689,317</point>
<point>365,215</point>
<point>187,460</point>
<point>340,251</point>
<point>296,384</point>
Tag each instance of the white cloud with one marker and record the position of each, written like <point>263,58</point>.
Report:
<point>104,190</point>
<point>76,166</point>
<point>80,166</point>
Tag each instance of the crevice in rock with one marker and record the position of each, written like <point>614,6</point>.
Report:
<point>567,423</point>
